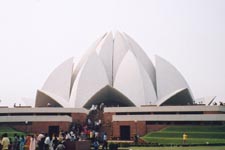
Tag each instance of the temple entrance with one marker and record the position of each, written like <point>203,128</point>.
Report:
<point>53,130</point>
<point>125,132</point>
<point>110,97</point>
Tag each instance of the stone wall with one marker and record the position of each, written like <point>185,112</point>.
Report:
<point>38,127</point>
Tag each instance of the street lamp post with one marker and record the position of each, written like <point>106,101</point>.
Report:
<point>136,135</point>
<point>26,123</point>
<point>135,126</point>
<point>112,129</point>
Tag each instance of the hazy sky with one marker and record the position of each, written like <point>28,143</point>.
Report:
<point>38,35</point>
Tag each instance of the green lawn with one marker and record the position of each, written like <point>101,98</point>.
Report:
<point>180,148</point>
<point>10,131</point>
<point>195,128</point>
<point>196,135</point>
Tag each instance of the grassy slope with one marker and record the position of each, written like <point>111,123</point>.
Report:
<point>180,148</point>
<point>196,135</point>
<point>10,131</point>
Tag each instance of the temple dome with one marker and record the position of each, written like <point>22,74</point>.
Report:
<point>117,72</point>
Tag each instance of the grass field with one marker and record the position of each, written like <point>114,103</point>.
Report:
<point>196,135</point>
<point>10,131</point>
<point>180,148</point>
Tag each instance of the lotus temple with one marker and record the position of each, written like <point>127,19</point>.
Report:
<point>135,94</point>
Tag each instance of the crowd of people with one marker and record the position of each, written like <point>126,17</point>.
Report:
<point>18,142</point>
<point>58,141</point>
<point>46,142</point>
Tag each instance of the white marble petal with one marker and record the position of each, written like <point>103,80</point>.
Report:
<point>142,57</point>
<point>168,78</point>
<point>129,79</point>
<point>165,98</point>
<point>105,53</point>
<point>120,49</point>
<point>148,86</point>
<point>91,78</point>
<point>43,98</point>
<point>83,59</point>
<point>59,81</point>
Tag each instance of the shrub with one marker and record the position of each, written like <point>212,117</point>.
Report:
<point>113,146</point>
<point>124,144</point>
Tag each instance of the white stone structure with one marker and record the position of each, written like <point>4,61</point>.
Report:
<point>114,71</point>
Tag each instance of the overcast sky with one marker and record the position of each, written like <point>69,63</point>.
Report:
<point>38,35</point>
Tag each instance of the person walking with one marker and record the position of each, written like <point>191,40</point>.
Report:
<point>33,143</point>
<point>15,143</point>
<point>22,142</point>
<point>5,142</point>
<point>185,136</point>
<point>105,143</point>
<point>27,142</point>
